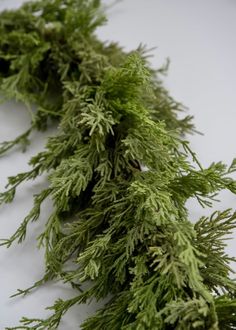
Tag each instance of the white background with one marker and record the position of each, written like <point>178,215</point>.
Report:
<point>199,38</point>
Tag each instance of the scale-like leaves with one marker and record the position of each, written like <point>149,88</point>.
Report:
<point>119,177</point>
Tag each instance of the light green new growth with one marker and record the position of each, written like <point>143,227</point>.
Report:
<point>126,229</point>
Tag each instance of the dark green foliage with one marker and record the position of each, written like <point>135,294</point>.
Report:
<point>119,177</point>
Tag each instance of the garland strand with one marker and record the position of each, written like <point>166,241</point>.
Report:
<point>119,177</point>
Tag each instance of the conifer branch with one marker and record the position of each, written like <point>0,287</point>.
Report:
<point>119,175</point>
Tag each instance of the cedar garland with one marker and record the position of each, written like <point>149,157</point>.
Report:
<point>119,176</point>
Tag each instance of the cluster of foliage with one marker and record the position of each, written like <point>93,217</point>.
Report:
<point>119,176</point>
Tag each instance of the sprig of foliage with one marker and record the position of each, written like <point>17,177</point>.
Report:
<point>119,176</point>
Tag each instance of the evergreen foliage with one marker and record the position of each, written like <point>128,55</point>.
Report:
<point>119,176</point>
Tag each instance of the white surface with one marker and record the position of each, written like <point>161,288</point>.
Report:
<point>199,38</point>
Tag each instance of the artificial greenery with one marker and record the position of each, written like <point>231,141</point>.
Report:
<point>119,174</point>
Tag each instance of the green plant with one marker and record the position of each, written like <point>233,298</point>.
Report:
<point>119,176</point>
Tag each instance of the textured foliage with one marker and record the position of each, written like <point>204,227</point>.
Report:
<point>119,177</point>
